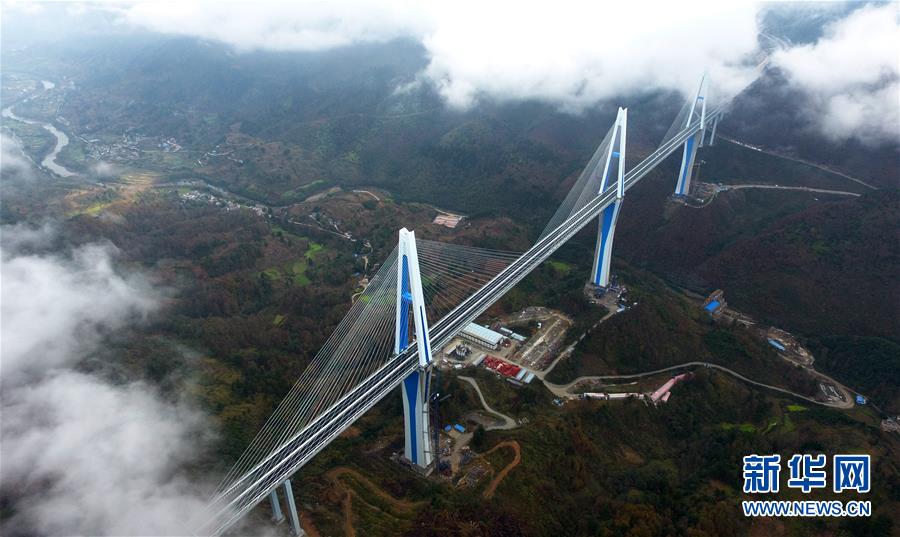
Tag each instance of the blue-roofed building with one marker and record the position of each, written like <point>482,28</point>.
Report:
<point>715,303</point>
<point>459,428</point>
<point>860,400</point>
<point>777,344</point>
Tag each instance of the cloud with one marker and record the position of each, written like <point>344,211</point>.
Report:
<point>97,459</point>
<point>13,162</point>
<point>576,53</point>
<point>105,169</point>
<point>82,455</point>
<point>55,308</point>
<point>851,75</point>
<point>300,26</point>
<point>571,53</point>
<point>21,238</point>
<point>29,8</point>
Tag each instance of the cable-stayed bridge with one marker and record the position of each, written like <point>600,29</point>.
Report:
<point>371,352</point>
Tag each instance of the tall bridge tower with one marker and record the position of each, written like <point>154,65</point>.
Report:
<point>616,154</point>
<point>417,447</point>
<point>697,107</point>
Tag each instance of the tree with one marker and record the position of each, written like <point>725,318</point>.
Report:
<point>479,439</point>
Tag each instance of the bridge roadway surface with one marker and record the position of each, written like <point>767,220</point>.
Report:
<point>241,496</point>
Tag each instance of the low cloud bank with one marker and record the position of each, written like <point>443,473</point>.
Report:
<point>851,76</point>
<point>96,459</point>
<point>55,308</point>
<point>14,165</point>
<point>105,170</point>
<point>575,54</point>
<point>569,53</point>
<point>82,455</point>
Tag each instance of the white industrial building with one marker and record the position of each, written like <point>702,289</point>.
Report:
<point>482,336</point>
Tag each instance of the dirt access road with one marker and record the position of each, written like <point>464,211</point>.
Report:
<point>348,492</point>
<point>517,458</point>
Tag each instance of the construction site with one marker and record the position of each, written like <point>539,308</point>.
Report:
<point>653,389</point>
<point>785,344</point>
<point>514,347</point>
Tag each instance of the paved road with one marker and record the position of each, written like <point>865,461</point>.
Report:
<point>727,188</point>
<point>369,193</point>
<point>803,188</point>
<point>509,423</point>
<point>795,159</point>
<point>563,389</point>
<point>568,350</point>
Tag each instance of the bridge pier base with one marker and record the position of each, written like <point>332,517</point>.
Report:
<point>277,515</point>
<point>600,273</point>
<point>292,509</point>
<point>417,423</point>
<point>683,186</point>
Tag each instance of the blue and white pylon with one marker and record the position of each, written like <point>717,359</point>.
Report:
<point>712,135</point>
<point>603,254</point>
<point>417,448</point>
<point>683,185</point>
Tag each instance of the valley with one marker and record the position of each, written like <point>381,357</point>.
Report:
<point>262,192</point>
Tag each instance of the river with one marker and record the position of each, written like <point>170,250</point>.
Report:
<point>62,140</point>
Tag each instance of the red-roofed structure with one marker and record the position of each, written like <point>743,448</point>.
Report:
<point>501,366</point>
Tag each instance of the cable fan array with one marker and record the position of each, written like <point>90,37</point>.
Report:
<point>585,189</point>
<point>681,120</point>
<point>451,272</point>
<point>364,341</point>
<point>356,348</point>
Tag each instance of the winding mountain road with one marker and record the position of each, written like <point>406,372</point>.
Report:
<point>801,188</point>
<point>796,159</point>
<point>728,188</point>
<point>562,390</point>
<point>509,423</point>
